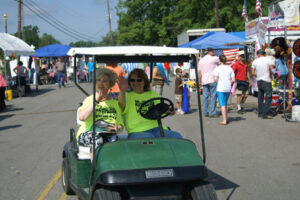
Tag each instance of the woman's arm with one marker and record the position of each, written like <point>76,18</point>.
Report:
<point>85,113</point>
<point>155,74</point>
<point>123,85</point>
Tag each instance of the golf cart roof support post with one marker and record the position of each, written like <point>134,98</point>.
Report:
<point>75,78</point>
<point>94,120</point>
<point>200,110</point>
<point>151,70</point>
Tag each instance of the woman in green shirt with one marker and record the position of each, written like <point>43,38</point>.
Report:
<point>106,109</point>
<point>130,102</point>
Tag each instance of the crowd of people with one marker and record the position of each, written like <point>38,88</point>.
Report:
<point>219,81</point>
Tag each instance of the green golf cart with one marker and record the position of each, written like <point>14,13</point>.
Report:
<point>133,169</point>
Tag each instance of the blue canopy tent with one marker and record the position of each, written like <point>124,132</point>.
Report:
<point>217,41</point>
<point>53,50</point>
<point>189,44</point>
<point>240,34</point>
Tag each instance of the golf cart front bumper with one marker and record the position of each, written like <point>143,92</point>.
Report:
<point>157,175</point>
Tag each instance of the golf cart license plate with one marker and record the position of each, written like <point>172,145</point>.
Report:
<point>162,173</point>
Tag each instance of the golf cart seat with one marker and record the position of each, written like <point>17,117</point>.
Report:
<point>84,153</point>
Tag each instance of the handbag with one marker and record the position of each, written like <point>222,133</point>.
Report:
<point>242,85</point>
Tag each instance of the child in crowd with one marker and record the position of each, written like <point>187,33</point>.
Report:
<point>178,90</point>
<point>224,75</point>
<point>186,96</point>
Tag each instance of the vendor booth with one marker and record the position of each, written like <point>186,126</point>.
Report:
<point>53,50</point>
<point>48,52</point>
<point>13,46</point>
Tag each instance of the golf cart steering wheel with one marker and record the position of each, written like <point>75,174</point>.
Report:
<point>100,129</point>
<point>150,110</point>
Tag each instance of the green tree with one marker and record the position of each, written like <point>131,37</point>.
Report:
<point>109,40</point>
<point>159,22</point>
<point>83,44</point>
<point>47,39</point>
<point>30,35</point>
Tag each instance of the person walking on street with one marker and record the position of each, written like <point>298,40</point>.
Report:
<point>241,71</point>
<point>21,72</point>
<point>90,68</point>
<point>206,79</point>
<point>60,70</point>
<point>159,78</point>
<point>179,91</point>
<point>3,86</point>
<point>262,69</point>
<point>224,76</point>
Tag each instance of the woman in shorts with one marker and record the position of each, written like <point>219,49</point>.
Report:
<point>224,76</point>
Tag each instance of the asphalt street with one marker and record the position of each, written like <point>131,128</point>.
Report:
<point>250,158</point>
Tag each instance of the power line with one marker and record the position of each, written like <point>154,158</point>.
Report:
<point>49,22</point>
<point>53,19</point>
<point>55,23</point>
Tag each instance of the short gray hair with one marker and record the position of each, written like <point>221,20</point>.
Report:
<point>106,72</point>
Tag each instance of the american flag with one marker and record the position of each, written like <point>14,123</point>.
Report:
<point>128,67</point>
<point>258,8</point>
<point>229,53</point>
<point>244,13</point>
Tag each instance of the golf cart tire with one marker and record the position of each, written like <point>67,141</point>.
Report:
<point>106,194</point>
<point>65,178</point>
<point>204,190</point>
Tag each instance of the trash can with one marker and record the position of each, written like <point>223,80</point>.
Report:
<point>8,95</point>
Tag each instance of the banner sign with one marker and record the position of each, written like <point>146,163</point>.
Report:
<point>251,27</point>
<point>284,13</point>
<point>290,10</point>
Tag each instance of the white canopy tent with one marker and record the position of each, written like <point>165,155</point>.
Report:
<point>11,44</point>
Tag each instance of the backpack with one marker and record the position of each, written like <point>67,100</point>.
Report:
<point>281,67</point>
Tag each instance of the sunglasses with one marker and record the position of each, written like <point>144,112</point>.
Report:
<point>136,80</point>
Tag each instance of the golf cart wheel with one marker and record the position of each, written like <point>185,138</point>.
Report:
<point>65,178</point>
<point>106,194</point>
<point>204,190</point>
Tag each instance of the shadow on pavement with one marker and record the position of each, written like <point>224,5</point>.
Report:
<point>3,117</point>
<point>10,108</point>
<point>221,183</point>
<point>40,91</point>
<point>9,127</point>
<point>233,119</point>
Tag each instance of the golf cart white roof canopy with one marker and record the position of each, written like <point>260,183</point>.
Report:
<point>131,50</point>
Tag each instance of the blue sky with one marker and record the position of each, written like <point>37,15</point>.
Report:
<point>84,18</point>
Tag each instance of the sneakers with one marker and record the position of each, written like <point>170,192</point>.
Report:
<point>267,117</point>
<point>179,112</point>
<point>240,112</point>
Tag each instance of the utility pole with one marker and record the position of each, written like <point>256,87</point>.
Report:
<point>5,22</point>
<point>109,21</point>
<point>19,18</point>
<point>217,14</point>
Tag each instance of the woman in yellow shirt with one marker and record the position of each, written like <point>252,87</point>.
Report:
<point>130,102</point>
<point>106,109</point>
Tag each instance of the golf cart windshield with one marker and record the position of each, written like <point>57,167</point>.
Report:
<point>141,54</point>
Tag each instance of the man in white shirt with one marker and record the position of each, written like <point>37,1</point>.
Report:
<point>262,69</point>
